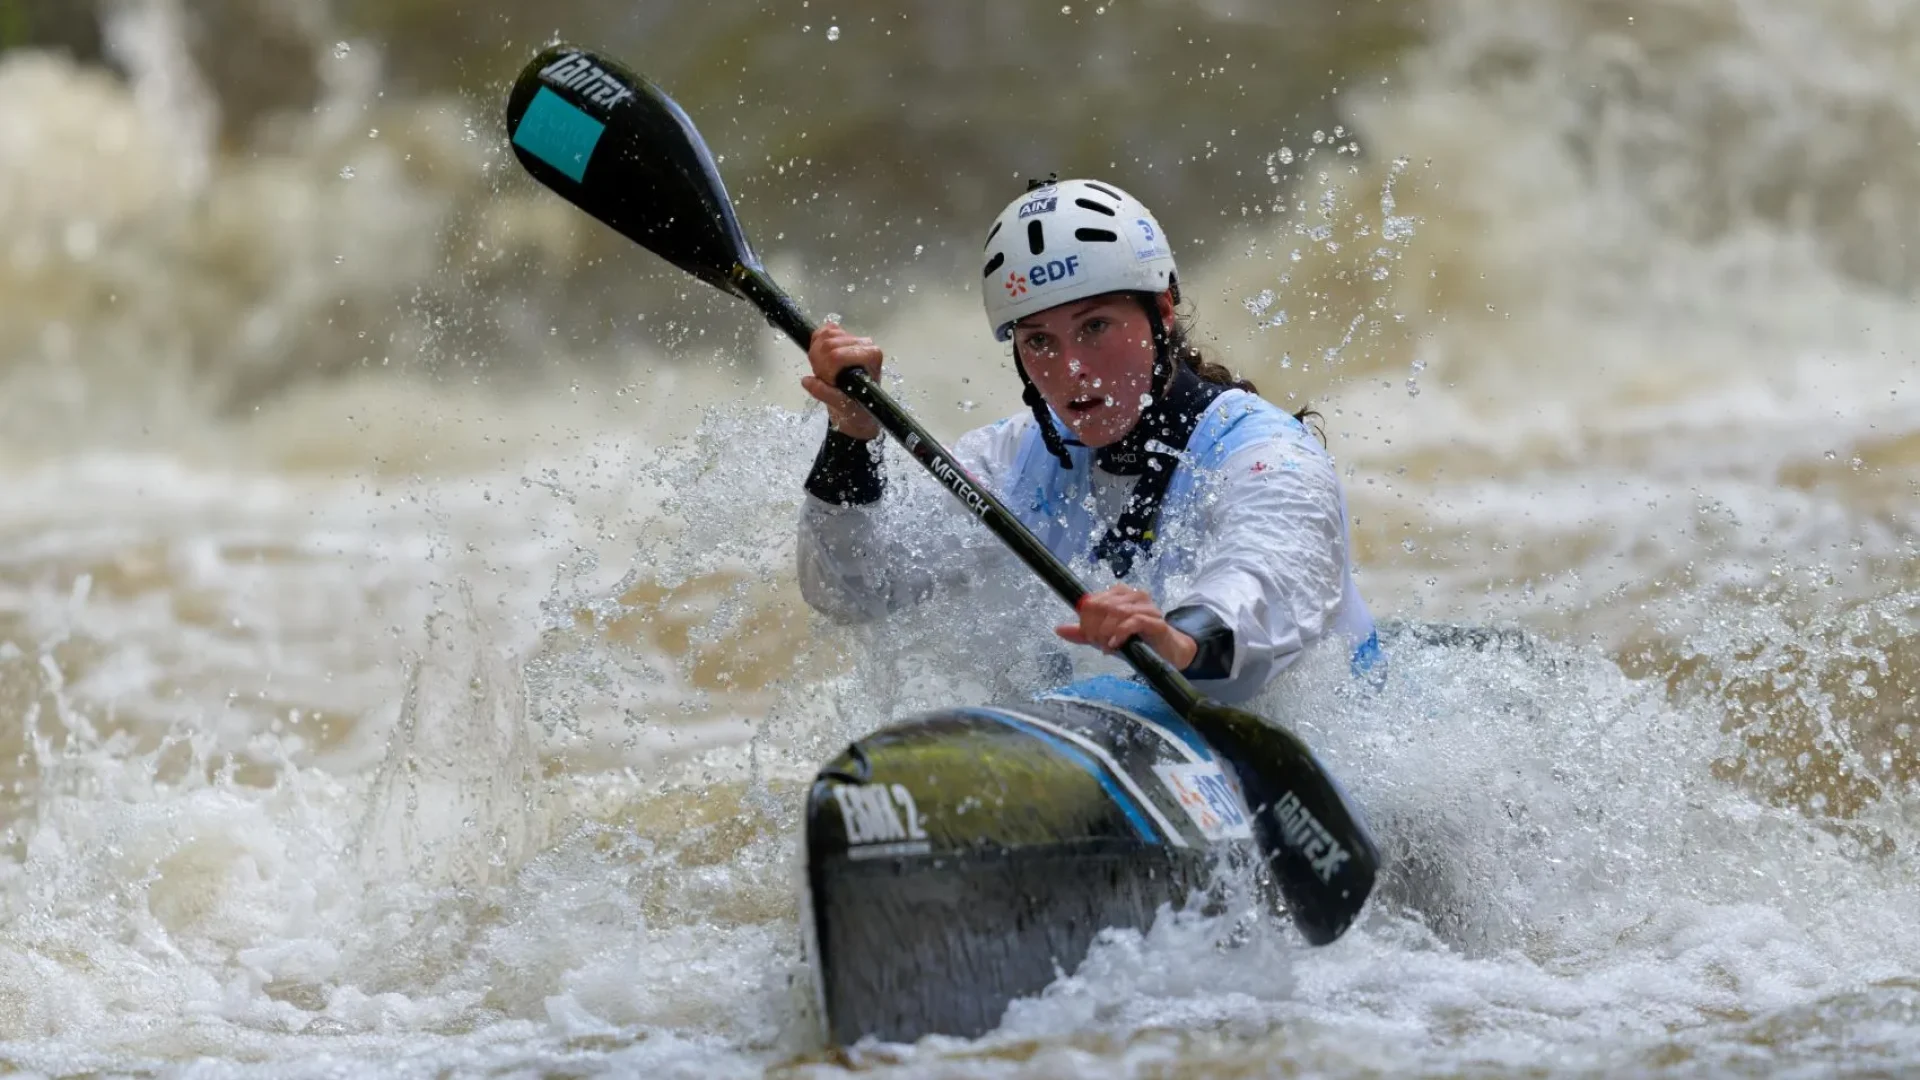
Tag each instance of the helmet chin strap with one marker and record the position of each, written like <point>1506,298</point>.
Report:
<point>1049,435</point>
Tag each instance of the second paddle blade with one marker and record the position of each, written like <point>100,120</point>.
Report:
<point>1321,855</point>
<point>619,148</point>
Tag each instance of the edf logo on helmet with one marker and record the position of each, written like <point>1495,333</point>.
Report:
<point>1068,240</point>
<point>1039,274</point>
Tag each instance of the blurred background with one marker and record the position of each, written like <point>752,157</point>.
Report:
<point>398,647</point>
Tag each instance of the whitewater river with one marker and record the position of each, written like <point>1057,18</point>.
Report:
<point>402,671</point>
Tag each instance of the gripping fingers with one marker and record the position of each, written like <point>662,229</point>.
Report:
<point>837,403</point>
<point>823,391</point>
<point>1137,623</point>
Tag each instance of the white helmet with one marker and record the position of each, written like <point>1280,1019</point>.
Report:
<point>1066,241</point>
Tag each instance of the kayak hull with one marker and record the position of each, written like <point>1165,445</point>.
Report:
<point>965,858</point>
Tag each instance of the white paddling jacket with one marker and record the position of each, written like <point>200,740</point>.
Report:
<point>1251,554</point>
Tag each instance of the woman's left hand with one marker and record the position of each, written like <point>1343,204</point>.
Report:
<point>1112,615</point>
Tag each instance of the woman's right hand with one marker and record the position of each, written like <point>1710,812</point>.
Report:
<point>832,351</point>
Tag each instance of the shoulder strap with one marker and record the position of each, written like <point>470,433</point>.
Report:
<point>1131,537</point>
<point>1171,427</point>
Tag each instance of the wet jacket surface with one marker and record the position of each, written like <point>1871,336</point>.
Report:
<point>1253,531</point>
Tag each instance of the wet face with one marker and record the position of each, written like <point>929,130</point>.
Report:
<point>1093,362</point>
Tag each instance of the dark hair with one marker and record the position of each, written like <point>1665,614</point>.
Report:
<point>1181,347</point>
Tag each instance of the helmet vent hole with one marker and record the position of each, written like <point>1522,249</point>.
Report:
<point>1091,205</point>
<point>995,231</point>
<point>1095,235</point>
<point>994,263</point>
<point>1107,191</point>
<point>1036,238</point>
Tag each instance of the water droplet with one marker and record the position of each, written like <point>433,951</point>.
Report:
<point>341,49</point>
<point>346,172</point>
<point>968,405</point>
<point>338,259</point>
<point>833,317</point>
<point>1409,546</point>
<point>1286,155</point>
<point>1831,455</point>
<point>1066,9</point>
<point>1146,400</point>
<point>918,248</point>
<point>373,133</point>
<point>833,33</point>
<point>851,286</point>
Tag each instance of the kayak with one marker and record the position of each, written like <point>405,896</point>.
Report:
<point>965,857</point>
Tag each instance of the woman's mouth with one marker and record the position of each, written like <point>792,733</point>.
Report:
<point>1085,403</point>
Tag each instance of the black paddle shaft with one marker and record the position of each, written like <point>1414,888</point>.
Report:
<point>619,148</point>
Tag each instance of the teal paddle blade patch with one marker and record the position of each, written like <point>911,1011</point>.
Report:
<point>558,133</point>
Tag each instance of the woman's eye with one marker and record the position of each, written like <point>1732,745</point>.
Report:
<point>1039,342</point>
<point>1093,326</point>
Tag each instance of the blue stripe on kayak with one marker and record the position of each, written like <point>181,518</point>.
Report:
<point>559,133</point>
<point>1137,698</point>
<point>1079,757</point>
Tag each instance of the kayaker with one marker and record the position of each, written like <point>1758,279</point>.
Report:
<point>1218,514</point>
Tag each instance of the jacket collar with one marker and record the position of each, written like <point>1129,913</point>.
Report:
<point>1169,420</point>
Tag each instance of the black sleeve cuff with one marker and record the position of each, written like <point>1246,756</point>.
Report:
<point>1214,658</point>
<point>847,471</point>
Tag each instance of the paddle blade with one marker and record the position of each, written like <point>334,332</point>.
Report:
<point>1319,850</point>
<point>618,147</point>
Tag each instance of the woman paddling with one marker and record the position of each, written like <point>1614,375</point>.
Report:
<point>1219,514</point>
